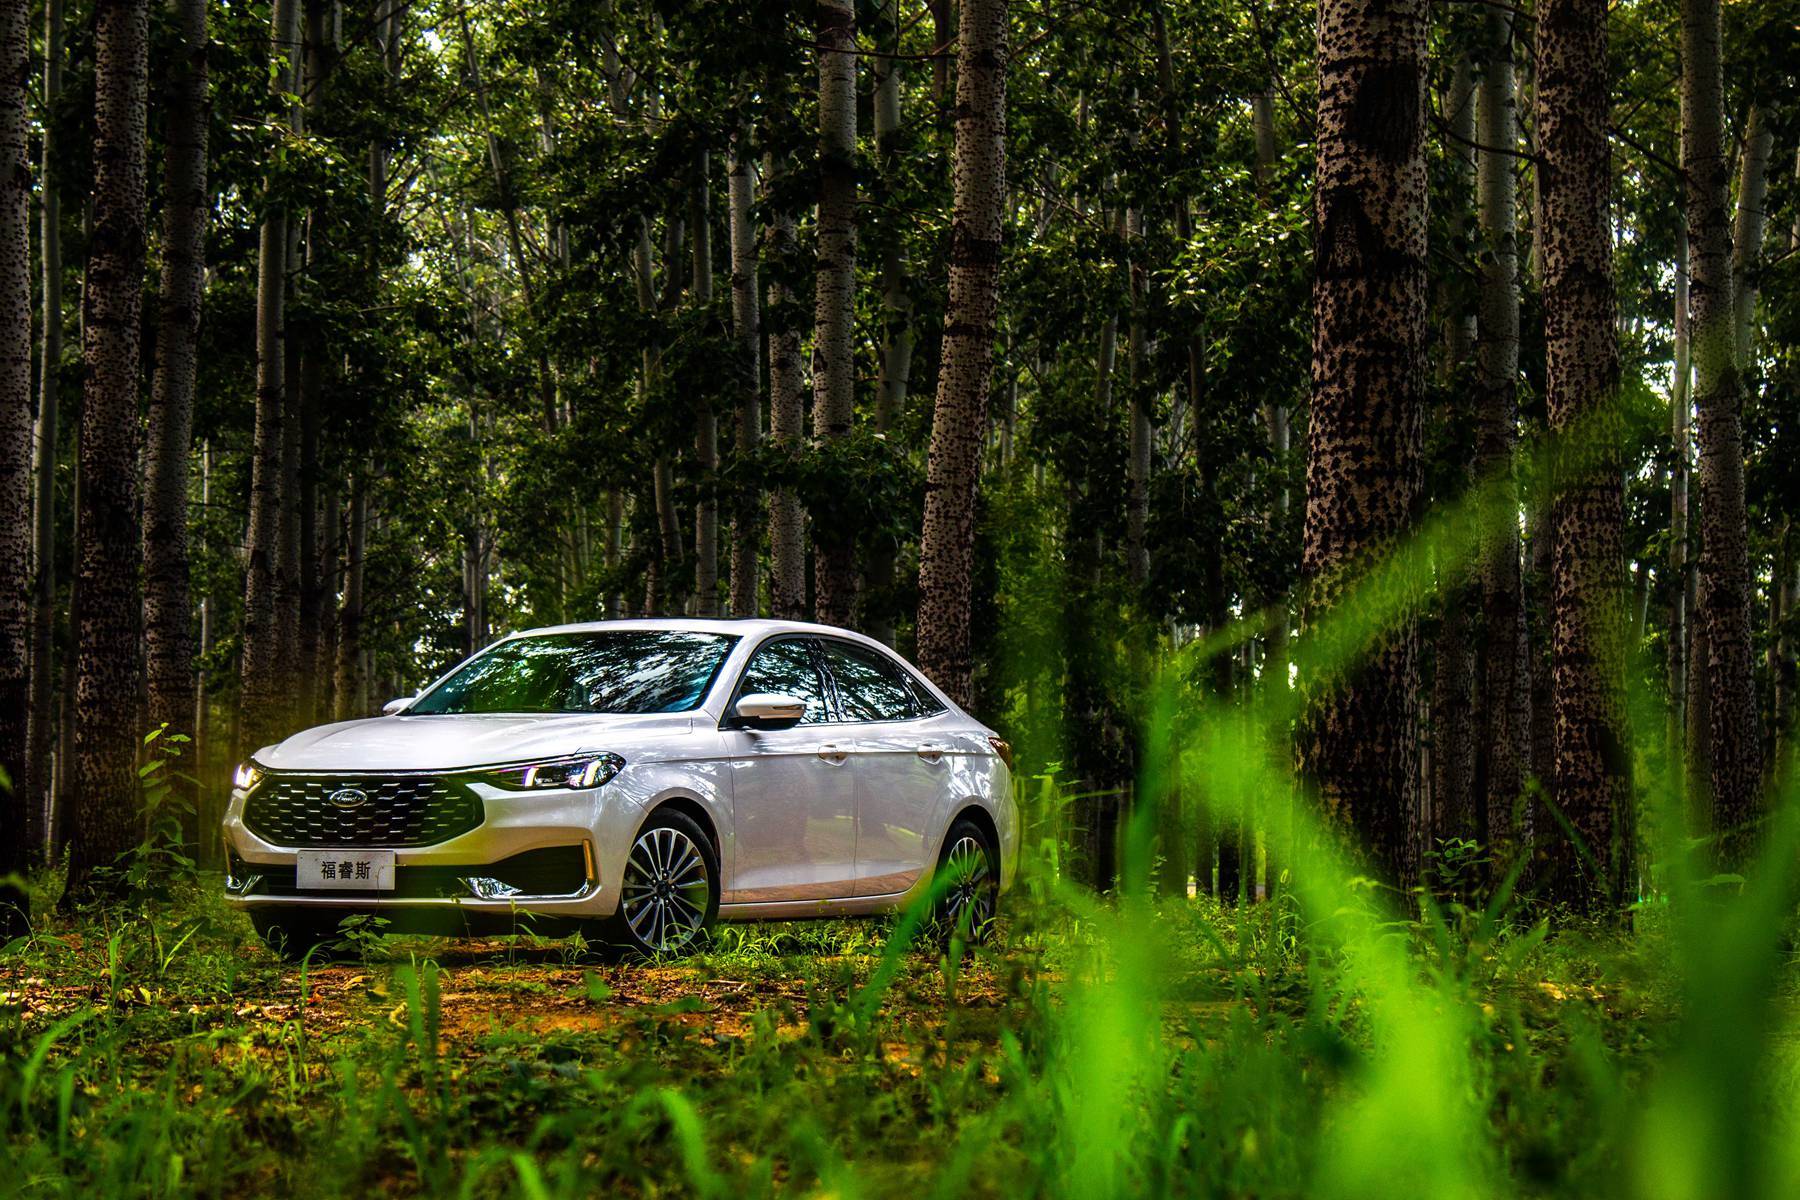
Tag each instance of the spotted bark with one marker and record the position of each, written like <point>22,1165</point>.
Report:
<point>787,416</point>
<point>15,455</point>
<point>1724,561</point>
<point>834,319</point>
<point>1503,668</point>
<point>1746,253</point>
<point>108,642</point>
<point>1358,737</point>
<point>1591,740</point>
<point>168,646</point>
<point>746,323</point>
<point>947,546</point>
<point>263,691</point>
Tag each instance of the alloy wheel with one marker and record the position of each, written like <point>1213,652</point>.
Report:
<point>971,890</point>
<point>666,889</point>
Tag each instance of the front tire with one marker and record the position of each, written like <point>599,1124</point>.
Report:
<point>968,875</point>
<point>669,891</point>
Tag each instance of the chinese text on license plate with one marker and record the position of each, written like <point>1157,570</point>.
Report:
<point>344,870</point>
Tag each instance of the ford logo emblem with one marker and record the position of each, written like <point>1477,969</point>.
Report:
<point>348,798</point>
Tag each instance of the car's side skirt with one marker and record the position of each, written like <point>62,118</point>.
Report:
<point>790,910</point>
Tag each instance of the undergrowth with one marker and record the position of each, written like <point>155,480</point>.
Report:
<point>1169,1047</point>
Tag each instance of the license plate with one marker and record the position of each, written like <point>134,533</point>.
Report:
<point>344,870</point>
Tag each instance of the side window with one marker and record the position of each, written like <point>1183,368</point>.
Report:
<point>871,686</point>
<point>929,705</point>
<point>787,668</point>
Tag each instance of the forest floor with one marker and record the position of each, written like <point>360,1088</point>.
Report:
<point>163,1051</point>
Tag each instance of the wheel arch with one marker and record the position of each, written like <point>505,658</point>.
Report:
<point>692,809</point>
<point>977,814</point>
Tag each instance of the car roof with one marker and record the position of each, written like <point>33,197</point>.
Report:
<point>740,626</point>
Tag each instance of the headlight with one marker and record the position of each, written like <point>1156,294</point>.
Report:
<point>247,776</point>
<point>583,771</point>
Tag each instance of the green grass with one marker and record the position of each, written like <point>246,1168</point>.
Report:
<point>1099,1049</point>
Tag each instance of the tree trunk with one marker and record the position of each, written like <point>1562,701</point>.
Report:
<point>1787,590</point>
<point>953,471</point>
<point>1138,457</point>
<point>1748,231</point>
<point>1697,760</point>
<point>706,422</point>
<point>311,591</point>
<point>1503,742</point>
<point>324,664</point>
<point>474,577</point>
<point>787,416</point>
<point>1358,735</point>
<point>42,717</point>
<point>15,462</point>
<point>1724,595</point>
<point>206,810</point>
<point>1205,424</point>
<point>1590,733</point>
<point>1452,803</point>
<point>834,321</point>
<point>287,560</point>
<point>1681,558</point>
<point>108,641</point>
<point>668,526</point>
<point>1275,413</point>
<point>943,34</point>
<point>896,312</point>
<point>263,692</point>
<point>307,349</point>
<point>896,297</point>
<point>168,645</point>
<point>615,532</point>
<point>350,686</point>
<point>746,320</point>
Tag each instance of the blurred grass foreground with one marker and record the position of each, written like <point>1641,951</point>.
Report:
<point>1461,1038</point>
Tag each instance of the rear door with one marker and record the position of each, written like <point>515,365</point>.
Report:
<point>901,770</point>
<point>793,791</point>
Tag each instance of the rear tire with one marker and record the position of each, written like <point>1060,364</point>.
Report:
<point>669,891</point>
<point>968,871</point>
<point>291,936</point>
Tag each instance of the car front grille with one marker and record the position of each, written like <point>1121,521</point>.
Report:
<point>399,810</point>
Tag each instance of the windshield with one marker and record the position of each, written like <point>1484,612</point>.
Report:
<point>610,671</point>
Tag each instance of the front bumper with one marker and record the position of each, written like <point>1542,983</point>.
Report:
<point>537,853</point>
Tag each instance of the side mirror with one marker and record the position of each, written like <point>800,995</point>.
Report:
<point>396,707</point>
<point>769,710</point>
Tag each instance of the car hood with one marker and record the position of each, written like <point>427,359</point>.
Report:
<point>443,743</point>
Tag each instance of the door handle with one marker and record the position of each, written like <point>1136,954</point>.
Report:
<point>833,753</point>
<point>932,752</point>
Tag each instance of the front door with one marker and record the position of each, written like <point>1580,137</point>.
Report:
<point>793,790</point>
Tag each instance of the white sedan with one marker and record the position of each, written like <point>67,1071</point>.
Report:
<point>636,779</point>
